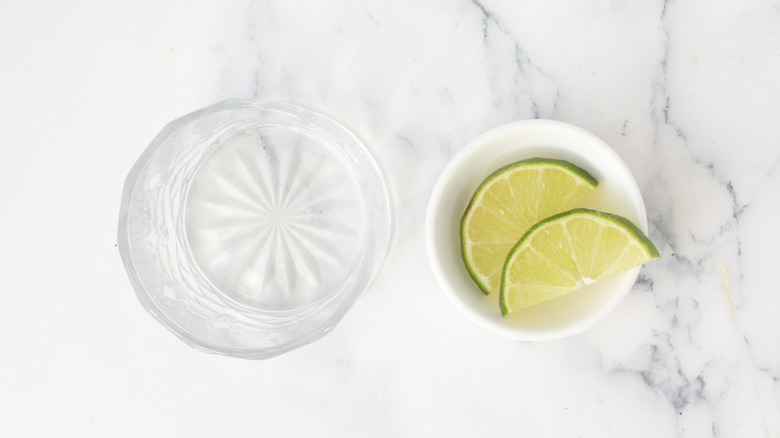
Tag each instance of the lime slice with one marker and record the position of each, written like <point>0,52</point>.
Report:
<point>567,251</point>
<point>507,204</point>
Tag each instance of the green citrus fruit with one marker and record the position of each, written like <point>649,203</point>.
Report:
<point>564,252</point>
<point>509,202</point>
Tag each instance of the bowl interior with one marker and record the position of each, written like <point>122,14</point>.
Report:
<point>617,193</point>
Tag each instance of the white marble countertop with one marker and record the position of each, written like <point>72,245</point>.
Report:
<point>686,91</point>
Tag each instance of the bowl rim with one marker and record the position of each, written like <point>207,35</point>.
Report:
<point>448,180</point>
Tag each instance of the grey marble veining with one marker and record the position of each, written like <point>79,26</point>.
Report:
<point>685,91</point>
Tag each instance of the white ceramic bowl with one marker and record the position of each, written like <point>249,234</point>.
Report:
<point>617,193</point>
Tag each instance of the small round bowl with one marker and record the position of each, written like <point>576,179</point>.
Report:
<point>617,193</point>
<point>250,228</point>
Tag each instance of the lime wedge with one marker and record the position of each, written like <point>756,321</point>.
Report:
<point>507,204</point>
<point>567,251</point>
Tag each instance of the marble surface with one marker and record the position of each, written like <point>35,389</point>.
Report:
<point>686,92</point>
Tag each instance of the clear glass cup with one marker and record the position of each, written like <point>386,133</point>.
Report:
<point>250,228</point>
